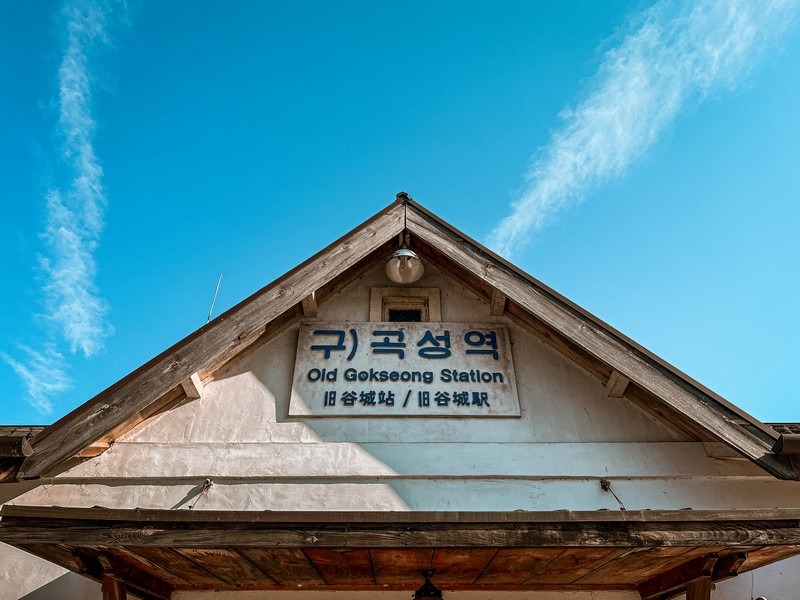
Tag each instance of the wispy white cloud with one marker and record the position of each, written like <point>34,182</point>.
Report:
<point>674,53</point>
<point>44,375</point>
<point>75,214</point>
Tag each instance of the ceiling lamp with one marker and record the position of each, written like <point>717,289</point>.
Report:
<point>404,266</point>
<point>428,590</point>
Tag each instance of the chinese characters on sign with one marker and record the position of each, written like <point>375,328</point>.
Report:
<point>404,369</point>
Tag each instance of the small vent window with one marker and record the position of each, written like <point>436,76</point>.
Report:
<point>406,315</point>
<point>410,305</point>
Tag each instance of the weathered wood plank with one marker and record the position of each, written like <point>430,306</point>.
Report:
<point>400,566</point>
<point>517,565</point>
<point>208,345</point>
<point>286,566</point>
<point>342,567</point>
<point>515,535</point>
<point>759,557</point>
<point>422,518</point>
<point>638,564</point>
<point>462,566</point>
<point>225,564</point>
<point>573,563</point>
<point>131,555</point>
<point>179,566</point>
<point>595,339</point>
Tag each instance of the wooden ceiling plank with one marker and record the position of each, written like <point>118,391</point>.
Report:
<point>573,563</point>
<point>400,566</point>
<point>342,567</point>
<point>177,564</point>
<point>759,557</point>
<point>462,566</point>
<point>286,566</point>
<point>225,564</point>
<point>634,566</point>
<point>517,565</point>
<point>131,555</point>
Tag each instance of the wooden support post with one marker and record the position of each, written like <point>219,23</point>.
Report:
<point>498,307</point>
<point>310,305</point>
<point>617,384</point>
<point>192,387</point>
<point>114,588</point>
<point>699,590</point>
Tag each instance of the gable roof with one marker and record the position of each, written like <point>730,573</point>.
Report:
<point>622,365</point>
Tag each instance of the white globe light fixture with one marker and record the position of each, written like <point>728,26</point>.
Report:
<point>404,266</point>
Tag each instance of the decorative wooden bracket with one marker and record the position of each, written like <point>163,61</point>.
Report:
<point>693,578</point>
<point>117,576</point>
<point>498,306</point>
<point>310,306</point>
<point>676,580</point>
<point>192,387</point>
<point>617,384</point>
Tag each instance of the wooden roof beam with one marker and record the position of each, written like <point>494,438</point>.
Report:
<point>131,396</point>
<point>599,341</point>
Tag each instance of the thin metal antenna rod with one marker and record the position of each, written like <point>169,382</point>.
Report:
<point>216,291</point>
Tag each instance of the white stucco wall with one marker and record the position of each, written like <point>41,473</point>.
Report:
<point>569,435</point>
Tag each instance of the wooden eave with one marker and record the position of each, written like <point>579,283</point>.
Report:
<point>156,552</point>
<point>653,384</point>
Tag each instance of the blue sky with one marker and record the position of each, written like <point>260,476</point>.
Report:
<point>650,150</point>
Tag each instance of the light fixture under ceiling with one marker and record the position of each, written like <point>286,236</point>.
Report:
<point>404,266</point>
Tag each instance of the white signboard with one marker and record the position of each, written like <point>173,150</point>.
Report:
<point>403,370</point>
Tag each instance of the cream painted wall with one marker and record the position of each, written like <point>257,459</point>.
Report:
<point>569,435</point>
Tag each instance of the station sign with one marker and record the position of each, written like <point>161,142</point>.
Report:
<point>391,369</point>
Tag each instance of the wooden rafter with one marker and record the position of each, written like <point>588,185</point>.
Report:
<point>133,395</point>
<point>168,378</point>
<point>587,333</point>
